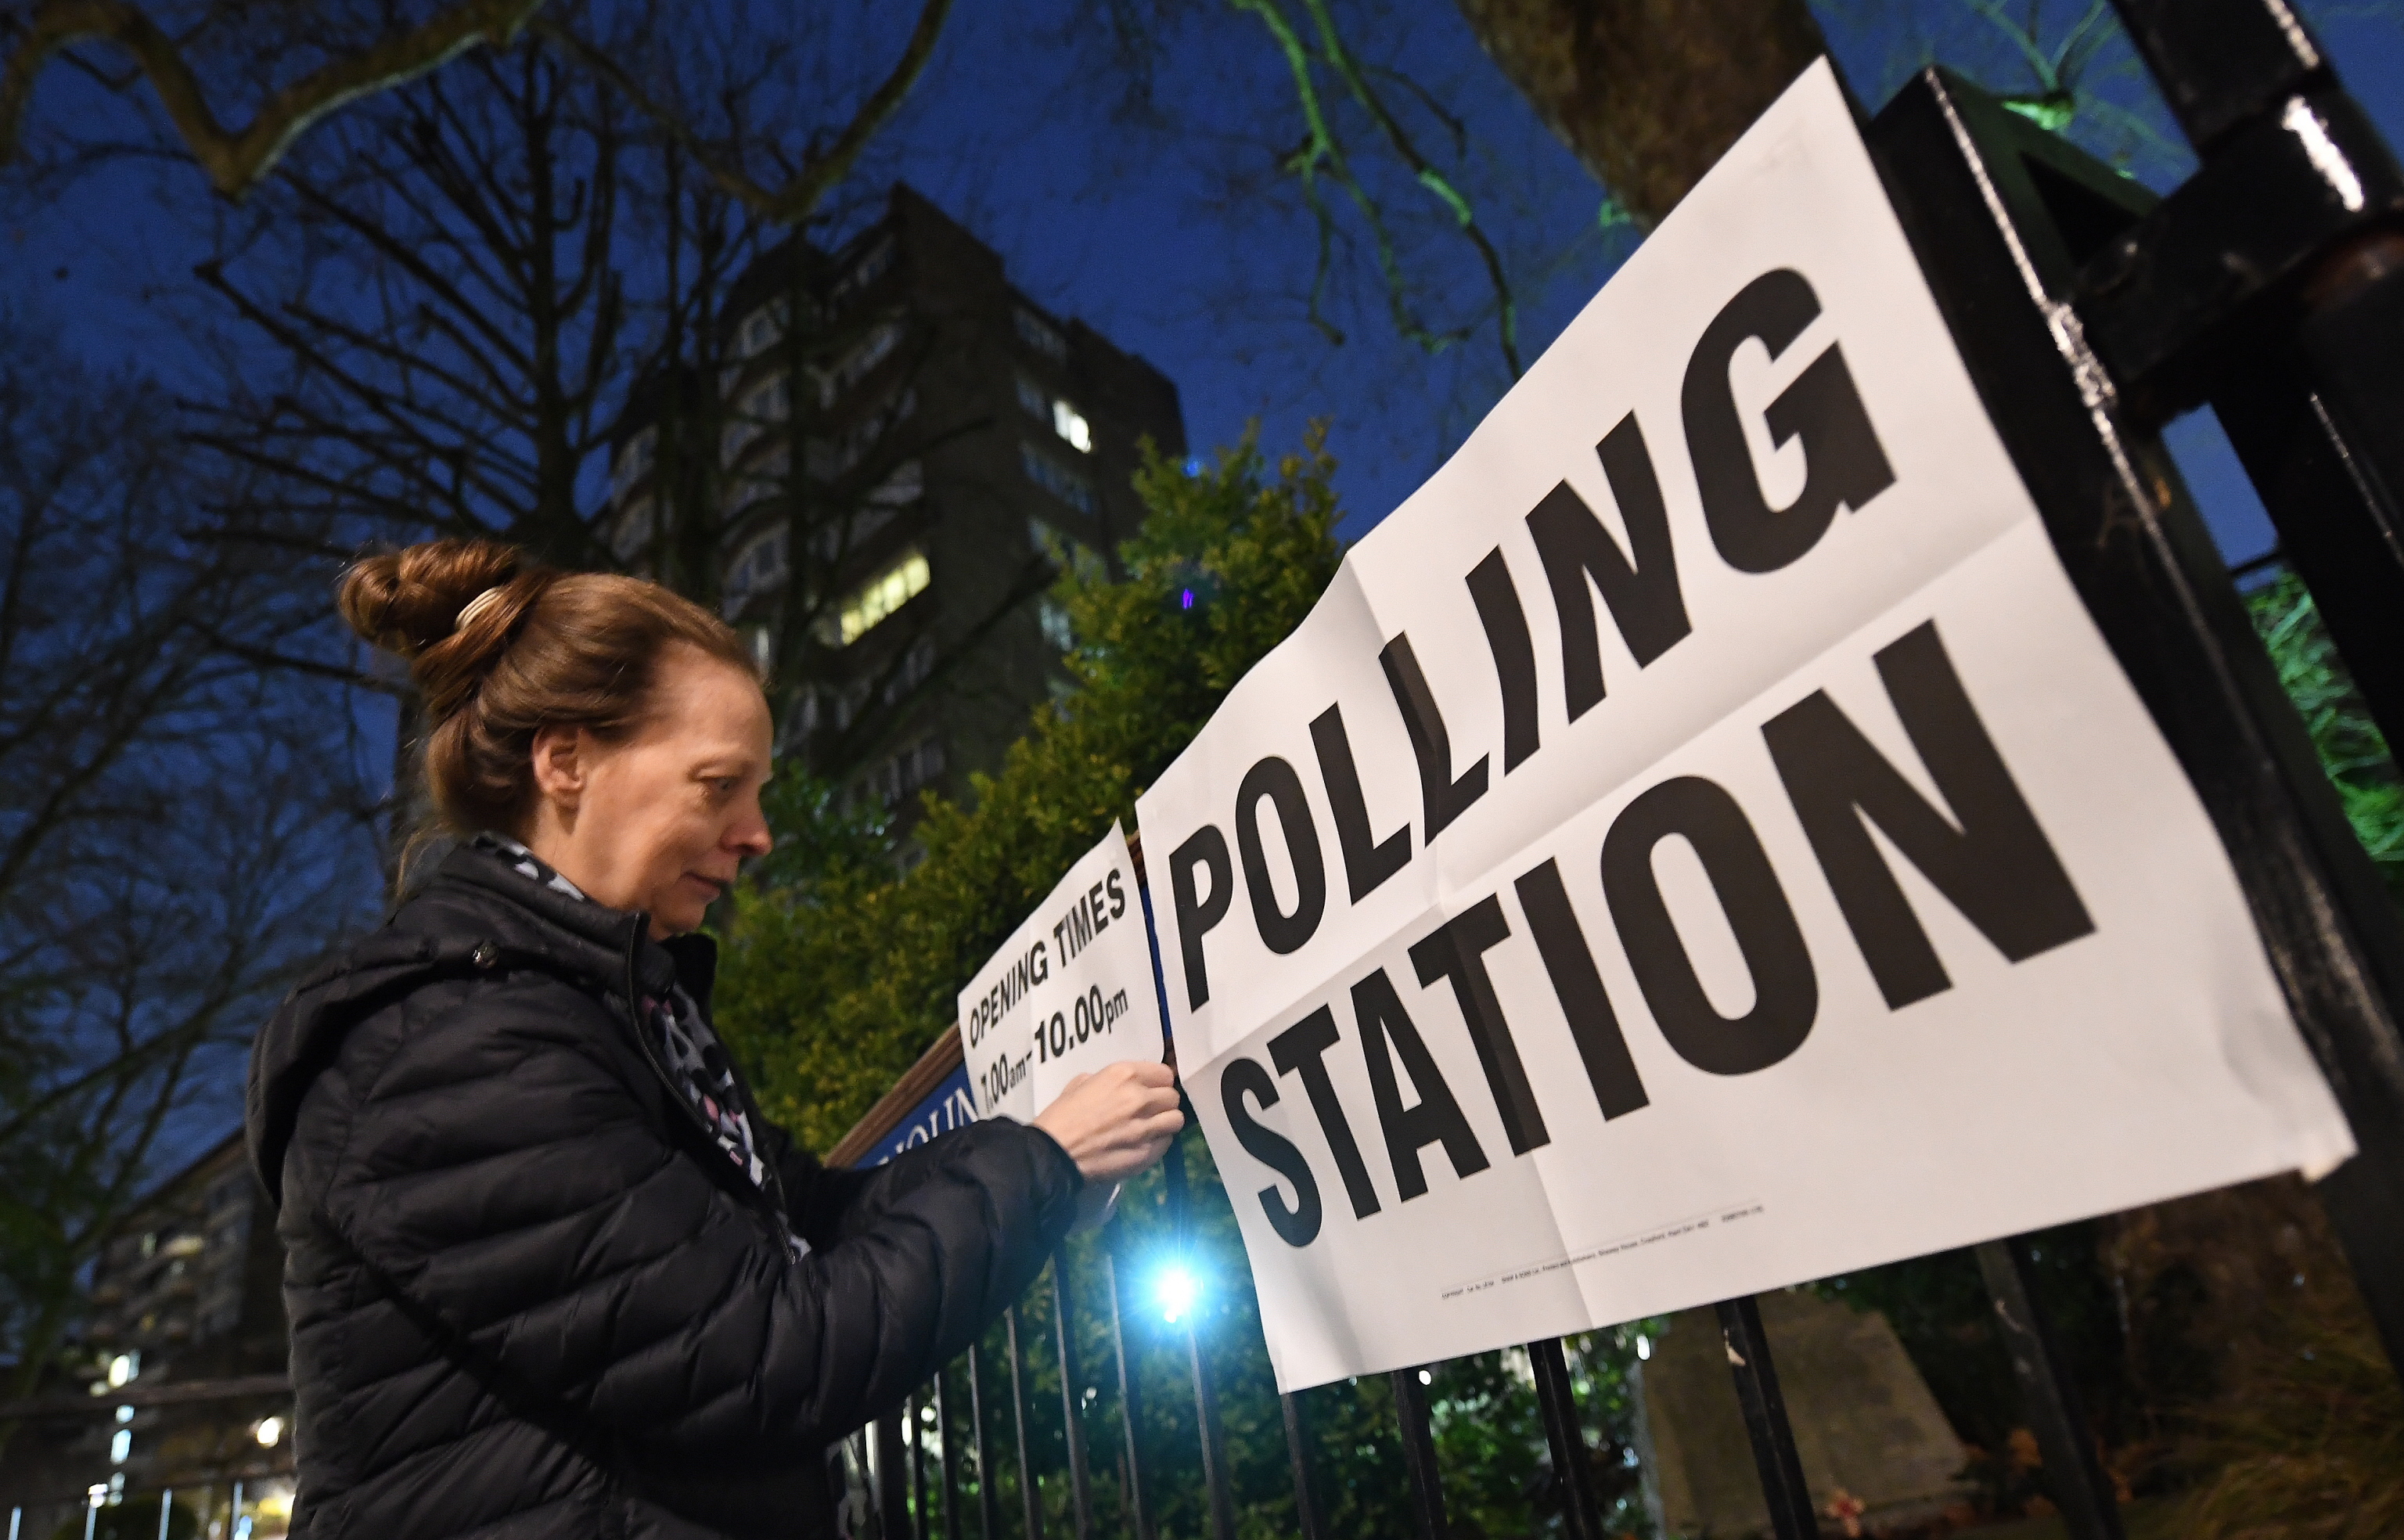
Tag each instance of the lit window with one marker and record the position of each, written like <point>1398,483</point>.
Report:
<point>1055,478</point>
<point>1057,629</point>
<point>1067,422</point>
<point>881,595</point>
<point>1041,335</point>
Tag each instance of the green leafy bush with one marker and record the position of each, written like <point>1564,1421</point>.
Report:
<point>838,971</point>
<point>2351,747</point>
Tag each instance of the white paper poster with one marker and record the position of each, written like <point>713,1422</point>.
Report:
<point>1070,991</point>
<point>1700,841</point>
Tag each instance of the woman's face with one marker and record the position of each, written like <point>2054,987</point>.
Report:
<point>660,820</point>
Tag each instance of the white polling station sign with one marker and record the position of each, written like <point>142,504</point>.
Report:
<point>1070,991</point>
<point>1700,841</point>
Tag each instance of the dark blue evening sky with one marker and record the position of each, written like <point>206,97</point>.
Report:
<point>1176,239</point>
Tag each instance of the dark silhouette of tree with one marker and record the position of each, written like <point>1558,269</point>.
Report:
<point>174,829</point>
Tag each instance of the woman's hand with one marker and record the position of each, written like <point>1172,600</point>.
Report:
<point>1117,1121</point>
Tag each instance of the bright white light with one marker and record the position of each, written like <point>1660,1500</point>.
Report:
<point>124,1366</point>
<point>1067,422</point>
<point>1644,1345</point>
<point>1427,1376</point>
<point>1176,1288</point>
<point>121,1446</point>
<point>269,1432</point>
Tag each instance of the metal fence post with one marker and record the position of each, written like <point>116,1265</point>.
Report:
<point>1214,1450</point>
<point>1557,1399</point>
<point>1138,1521</point>
<point>2073,1476</point>
<point>1791,1517</point>
<point>1418,1453</point>
<point>1206,1396</point>
<point>911,1413</point>
<point>946,1453</point>
<point>892,1480</point>
<point>1297,1444</point>
<point>1030,1499</point>
<point>1996,241</point>
<point>166,1507</point>
<point>2310,394</point>
<point>989,1505</point>
<point>1071,1419</point>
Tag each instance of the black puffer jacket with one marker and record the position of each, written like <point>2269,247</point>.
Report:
<point>529,1294</point>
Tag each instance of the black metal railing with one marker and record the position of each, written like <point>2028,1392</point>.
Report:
<point>224,1509</point>
<point>2090,312</point>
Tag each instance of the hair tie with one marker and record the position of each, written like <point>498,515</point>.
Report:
<point>476,607</point>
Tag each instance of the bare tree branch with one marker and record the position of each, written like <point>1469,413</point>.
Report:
<point>797,197</point>
<point>237,161</point>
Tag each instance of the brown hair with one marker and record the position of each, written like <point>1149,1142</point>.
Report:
<point>548,649</point>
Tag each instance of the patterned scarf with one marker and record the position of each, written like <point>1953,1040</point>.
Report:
<point>695,1058</point>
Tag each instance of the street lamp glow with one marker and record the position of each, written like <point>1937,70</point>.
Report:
<point>1176,1288</point>
<point>269,1432</point>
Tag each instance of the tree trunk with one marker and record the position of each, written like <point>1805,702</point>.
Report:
<point>1647,93</point>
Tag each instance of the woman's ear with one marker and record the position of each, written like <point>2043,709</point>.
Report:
<point>559,767</point>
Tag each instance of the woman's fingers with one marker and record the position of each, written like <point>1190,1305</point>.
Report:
<point>1117,1120</point>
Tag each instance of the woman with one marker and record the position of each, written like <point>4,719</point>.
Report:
<point>549,1273</point>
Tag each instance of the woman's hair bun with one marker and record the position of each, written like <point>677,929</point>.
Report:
<point>501,647</point>
<point>413,602</point>
<point>409,600</point>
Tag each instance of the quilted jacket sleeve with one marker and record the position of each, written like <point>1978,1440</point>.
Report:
<point>504,1173</point>
<point>817,1196</point>
<point>828,1204</point>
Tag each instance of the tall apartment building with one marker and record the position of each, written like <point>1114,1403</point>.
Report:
<point>955,439</point>
<point>181,1385</point>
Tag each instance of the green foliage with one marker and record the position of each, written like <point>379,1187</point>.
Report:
<point>2351,747</point>
<point>838,971</point>
<point>1489,1442</point>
